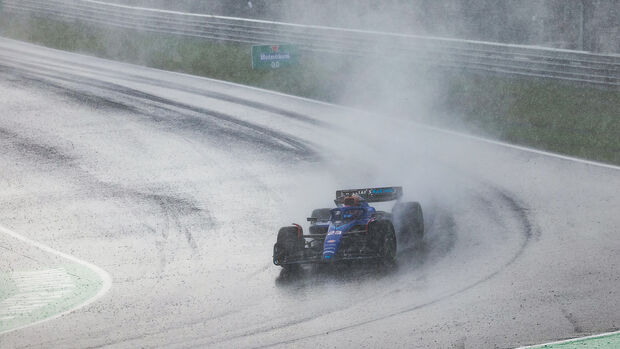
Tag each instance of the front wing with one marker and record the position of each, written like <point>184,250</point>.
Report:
<point>354,248</point>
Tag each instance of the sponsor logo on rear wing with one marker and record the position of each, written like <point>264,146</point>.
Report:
<point>371,194</point>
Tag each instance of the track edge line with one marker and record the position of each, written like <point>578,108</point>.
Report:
<point>594,336</point>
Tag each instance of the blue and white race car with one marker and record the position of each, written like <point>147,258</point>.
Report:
<point>353,230</point>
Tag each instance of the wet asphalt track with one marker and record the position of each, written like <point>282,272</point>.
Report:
<point>176,185</point>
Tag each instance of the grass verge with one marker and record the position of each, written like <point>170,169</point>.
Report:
<point>577,120</point>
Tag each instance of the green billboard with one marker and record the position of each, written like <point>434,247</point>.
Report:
<point>274,56</point>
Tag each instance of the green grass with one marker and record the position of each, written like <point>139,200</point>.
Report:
<point>609,341</point>
<point>225,61</point>
<point>577,120</point>
<point>86,285</point>
<point>581,121</point>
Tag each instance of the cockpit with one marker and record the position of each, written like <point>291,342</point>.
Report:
<point>344,215</point>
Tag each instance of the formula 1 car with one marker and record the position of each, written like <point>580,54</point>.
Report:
<point>353,230</point>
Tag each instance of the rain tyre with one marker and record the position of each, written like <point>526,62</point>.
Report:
<point>410,221</point>
<point>289,242</point>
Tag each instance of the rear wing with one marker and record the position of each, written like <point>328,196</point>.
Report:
<point>371,194</point>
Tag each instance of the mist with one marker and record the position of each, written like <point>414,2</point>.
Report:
<point>177,185</point>
<point>568,24</point>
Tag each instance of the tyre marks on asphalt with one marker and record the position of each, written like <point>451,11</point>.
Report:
<point>527,230</point>
<point>174,208</point>
<point>179,115</point>
<point>144,79</point>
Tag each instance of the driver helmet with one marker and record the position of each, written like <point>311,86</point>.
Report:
<point>352,201</point>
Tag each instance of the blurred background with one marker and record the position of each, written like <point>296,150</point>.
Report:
<point>589,25</point>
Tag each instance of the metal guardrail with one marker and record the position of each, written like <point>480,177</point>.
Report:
<point>500,58</point>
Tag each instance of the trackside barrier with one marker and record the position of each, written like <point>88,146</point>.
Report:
<point>577,66</point>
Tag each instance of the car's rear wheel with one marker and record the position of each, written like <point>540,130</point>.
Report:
<point>389,246</point>
<point>384,239</point>
<point>409,221</point>
<point>321,214</point>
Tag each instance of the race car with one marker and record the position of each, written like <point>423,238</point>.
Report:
<point>353,230</point>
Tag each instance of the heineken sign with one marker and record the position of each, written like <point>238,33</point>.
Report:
<point>273,56</point>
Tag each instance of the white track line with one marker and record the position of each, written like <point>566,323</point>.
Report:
<point>338,106</point>
<point>421,125</point>
<point>572,340</point>
<point>341,29</point>
<point>106,279</point>
<point>107,282</point>
<point>522,148</point>
<point>428,127</point>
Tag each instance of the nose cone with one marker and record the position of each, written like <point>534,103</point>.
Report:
<point>330,246</point>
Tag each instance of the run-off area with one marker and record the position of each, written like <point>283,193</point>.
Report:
<point>35,285</point>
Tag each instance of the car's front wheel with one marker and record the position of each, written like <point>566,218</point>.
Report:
<point>289,242</point>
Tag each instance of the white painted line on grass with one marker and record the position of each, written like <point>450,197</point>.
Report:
<point>44,287</point>
<point>24,309</point>
<point>595,336</point>
<point>31,295</point>
<point>106,279</point>
<point>522,148</point>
